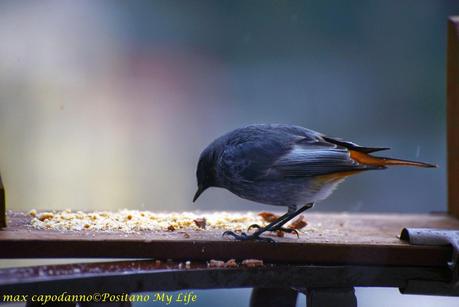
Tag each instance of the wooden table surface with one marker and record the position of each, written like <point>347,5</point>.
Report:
<point>329,238</point>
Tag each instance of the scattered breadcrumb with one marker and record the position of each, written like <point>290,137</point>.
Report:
<point>216,264</point>
<point>200,222</point>
<point>252,263</point>
<point>298,223</point>
<point>186,235</point>
<point>33,213</point>
<point>131,221</point>
<point>45,216</point>
<point>268,216</point>
<point>231,263</point>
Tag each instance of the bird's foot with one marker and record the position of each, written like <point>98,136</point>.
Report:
<point>279,230</point>
<point>245,237</point>
<point>253,226</point>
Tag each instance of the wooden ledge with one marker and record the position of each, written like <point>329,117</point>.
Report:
<point>147,275</point>
<point>338,238</point>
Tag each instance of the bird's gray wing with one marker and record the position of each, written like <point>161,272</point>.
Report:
<point>278,155</point>
<point>317,136</point>
<point>306,160</point>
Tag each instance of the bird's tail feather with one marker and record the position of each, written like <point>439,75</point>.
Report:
<point>364,158</point>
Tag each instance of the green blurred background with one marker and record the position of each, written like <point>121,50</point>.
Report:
<point>108,104</point>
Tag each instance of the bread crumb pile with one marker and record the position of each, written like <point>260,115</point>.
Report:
<point>131,221</point>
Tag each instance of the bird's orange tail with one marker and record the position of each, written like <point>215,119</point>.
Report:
<point>364,158</point>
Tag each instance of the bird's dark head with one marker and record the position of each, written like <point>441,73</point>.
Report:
<point>206,171</point>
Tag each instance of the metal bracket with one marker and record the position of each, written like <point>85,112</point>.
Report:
<point>435,237</point>
<point>273,297</point>
<point>325,297</point>
<point>2,205</point>
<point>329,296</point>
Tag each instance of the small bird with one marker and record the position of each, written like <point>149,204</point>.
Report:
<point>283,165</point>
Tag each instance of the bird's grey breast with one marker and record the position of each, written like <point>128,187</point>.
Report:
<point>286,192</point>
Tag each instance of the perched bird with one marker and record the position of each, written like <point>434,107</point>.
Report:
<point>283,165</point>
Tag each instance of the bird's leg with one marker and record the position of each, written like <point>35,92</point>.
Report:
<point>292,212</point>
<point>274,226</point>
<point>272,223</point>
<point>243,236</point>
<point>291,209</point>
<point>279,225</point>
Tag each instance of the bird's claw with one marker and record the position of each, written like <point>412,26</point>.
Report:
<point>244,237</point>
<point>281,229</point>
<point>234,235</point>
<point>289,230</point>
<point>253,226</point>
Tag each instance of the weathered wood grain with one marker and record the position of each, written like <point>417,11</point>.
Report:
<point>453,115</point>
<point>363,239</point>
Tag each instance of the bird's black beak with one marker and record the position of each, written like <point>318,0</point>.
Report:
<point>198,192</point>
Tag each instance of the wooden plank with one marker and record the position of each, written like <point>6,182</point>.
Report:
<point>453,115</point>
<point>363,239</point>
<point>147,275</point>
<point>2,205</point>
